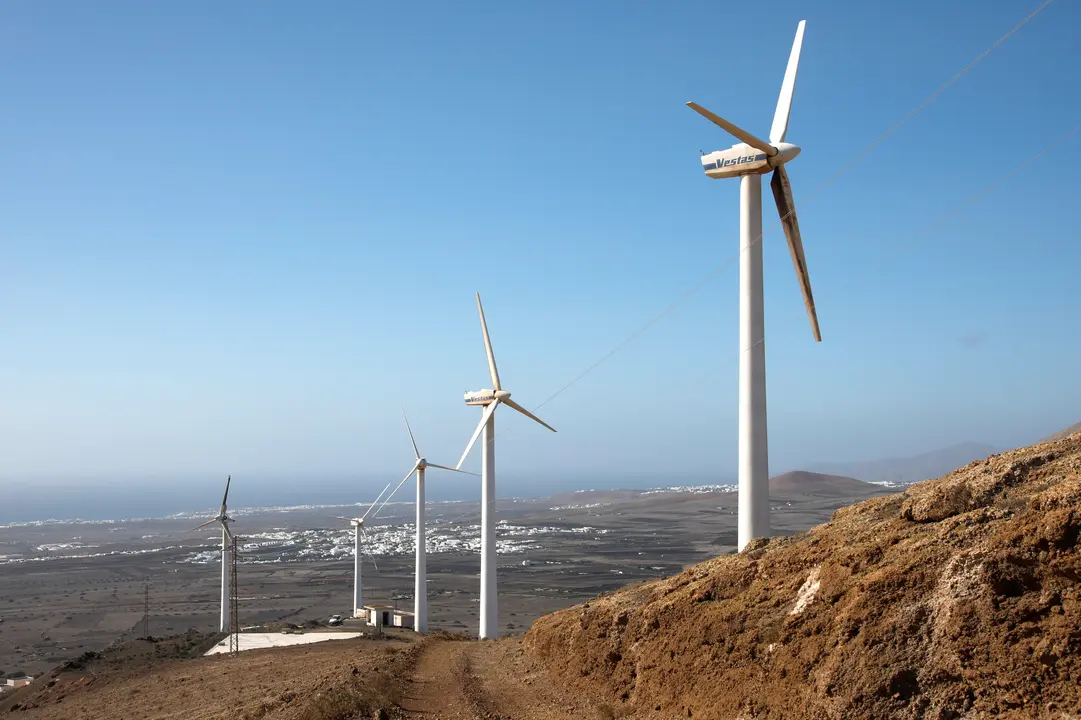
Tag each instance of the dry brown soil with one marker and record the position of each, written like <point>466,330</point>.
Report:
<point>323,681</point>
<point>959,598</point>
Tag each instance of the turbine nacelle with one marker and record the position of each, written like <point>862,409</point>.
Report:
<point>486,397</point>
<point>743,159</point>
<point>481,397</point>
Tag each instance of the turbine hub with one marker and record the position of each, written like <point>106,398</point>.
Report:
<point>785,153</point>
<point>502,395</point>
<point>422,463</point>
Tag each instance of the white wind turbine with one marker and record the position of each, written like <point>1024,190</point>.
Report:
<point>358,595</point>
<point>490,400</point>
<point>358,530</point>
<point>749,160</point>
<point>420,590</point>
<point>226,549</point>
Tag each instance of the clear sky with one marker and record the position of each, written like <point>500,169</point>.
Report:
<point>233,236</point>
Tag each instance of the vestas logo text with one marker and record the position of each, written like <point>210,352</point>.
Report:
<point>729,162</point>
<point>475,398</point>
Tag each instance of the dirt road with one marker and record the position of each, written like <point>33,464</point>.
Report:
<point>488,680</point>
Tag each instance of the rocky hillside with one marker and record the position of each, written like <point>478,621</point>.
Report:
<point>960,597</point>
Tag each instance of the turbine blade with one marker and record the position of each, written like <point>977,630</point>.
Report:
<point>476,433</point>
<point>444,467</point>
<point>411,438</point>
<point>488,346</point>
<point>786,207</point>
<point>208,522</point>
<point>531,416</point>
<point>409,475</point>
<point>225,497</point>
<point>734,130</point>
<point>377,498</point>
<point>788,86</point>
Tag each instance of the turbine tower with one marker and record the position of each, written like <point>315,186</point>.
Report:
<point>420,591</point>
<point>358,530</point>
<point>489,400</point>
<point>358,595</point>
<point>749,160</point>
<point>226,549</point>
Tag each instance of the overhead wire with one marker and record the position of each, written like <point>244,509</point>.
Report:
<point>829,181</point>
<point>693,290</point>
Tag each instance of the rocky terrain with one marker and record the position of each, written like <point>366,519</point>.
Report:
<point>960,597</point>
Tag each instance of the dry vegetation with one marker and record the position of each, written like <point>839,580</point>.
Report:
<point>960,597</point>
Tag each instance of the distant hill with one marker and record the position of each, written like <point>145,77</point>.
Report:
<point>1076,427</point>
<point>909,469</point>
<point>812,483</point>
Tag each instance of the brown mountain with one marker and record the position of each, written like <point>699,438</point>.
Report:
<point>960,597</point>
<point>802,482</point>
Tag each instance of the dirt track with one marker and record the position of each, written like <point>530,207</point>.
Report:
<point>400,677</point>
<point>458,680</point>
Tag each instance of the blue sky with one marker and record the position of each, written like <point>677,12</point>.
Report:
<point>234,236</point>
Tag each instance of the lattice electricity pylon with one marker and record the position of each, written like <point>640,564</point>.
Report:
<point>234,621</point>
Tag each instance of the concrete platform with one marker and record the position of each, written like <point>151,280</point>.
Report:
<point>256,640</point>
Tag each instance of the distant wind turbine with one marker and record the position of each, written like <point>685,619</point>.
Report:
<point>489,400</point>
<point>420,594</point>
<point>226,549</point>
<point>358,551</point>
<point>748,161</point>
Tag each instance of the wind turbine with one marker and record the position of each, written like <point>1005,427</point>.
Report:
<point>420,590</point>
<point>489,400</point>
<point>358,530</point>
<point>226,548</point>
<point>749,160</point>
<point>358,596</point>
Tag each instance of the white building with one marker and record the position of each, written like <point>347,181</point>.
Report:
<point>387,616</point>
<point>379,615</point>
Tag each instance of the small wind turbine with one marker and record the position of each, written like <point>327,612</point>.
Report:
<point>358,595</point>
<point>358,530</point>
<point>489,400</point>
<point>420,594</point>
<point>226,549</point>
<point>749,160</point>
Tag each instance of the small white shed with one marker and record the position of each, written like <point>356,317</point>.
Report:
<point>380,615</point>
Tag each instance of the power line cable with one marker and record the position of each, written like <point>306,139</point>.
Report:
<point>844,168</point>
<point>829,181</point>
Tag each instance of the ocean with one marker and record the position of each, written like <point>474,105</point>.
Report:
<point>31,501</point>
